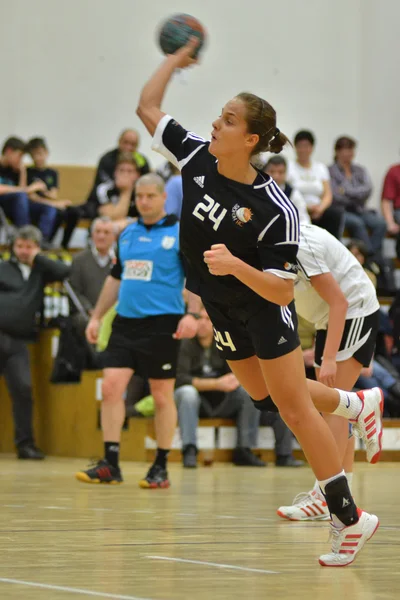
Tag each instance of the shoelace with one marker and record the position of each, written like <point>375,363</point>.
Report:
<point>334,537</point>
<point>304,498</point>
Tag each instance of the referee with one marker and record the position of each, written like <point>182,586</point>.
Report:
<point>147,280</point>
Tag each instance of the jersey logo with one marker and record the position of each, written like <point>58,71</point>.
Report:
<point>199,180</point>
<point>282,341</point>
<point>144,239</point>
<point>168,242</point>
<point>140,270</point>
<point>241,215</point>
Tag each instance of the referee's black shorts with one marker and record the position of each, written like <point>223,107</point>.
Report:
<point>258,328</point>
<point>144,345</point>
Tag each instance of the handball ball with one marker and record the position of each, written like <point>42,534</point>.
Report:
<point>176,31</point>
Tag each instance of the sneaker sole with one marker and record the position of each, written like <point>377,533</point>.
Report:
<point>321,518</point>
<point>84,478</point>
<point>145,485</point>
<point>355,556</point>
<point>376,456</point>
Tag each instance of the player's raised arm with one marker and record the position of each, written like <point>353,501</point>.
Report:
<point>149,107</point>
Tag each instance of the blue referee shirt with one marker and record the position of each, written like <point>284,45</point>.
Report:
<point>150,268</point>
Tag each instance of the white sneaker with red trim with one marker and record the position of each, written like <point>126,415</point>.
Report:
<point>368,425</point>
<point>348,542</point>
<point>307,506</point>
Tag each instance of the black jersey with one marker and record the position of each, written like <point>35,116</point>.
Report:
<point>257,222</point>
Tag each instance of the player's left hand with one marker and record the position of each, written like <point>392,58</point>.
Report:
<point>220,260</point>
<point>327,372</point>
<point>187,328</point>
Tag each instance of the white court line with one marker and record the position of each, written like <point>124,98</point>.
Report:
<point>60,588</point>
<point>211,564</point>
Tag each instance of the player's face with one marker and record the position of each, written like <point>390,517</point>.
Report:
<point>103,236</point>
<point>128,142</point>
<point>150,202</point>
<point>304,150</point>
<point>345,155</point>
<point>278,173</point>
<point>229,135</point>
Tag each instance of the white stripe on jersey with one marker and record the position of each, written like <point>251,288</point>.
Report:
<point>292,209</point>
<point>258,187</point>
<point>185,161</point>
<point>292,220</point>
<point>264,231</point>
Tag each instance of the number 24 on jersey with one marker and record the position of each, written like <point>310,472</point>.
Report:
<point>209,209</point>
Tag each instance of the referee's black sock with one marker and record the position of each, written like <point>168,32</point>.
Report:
<point>111,453</point>
<point>161,458</point>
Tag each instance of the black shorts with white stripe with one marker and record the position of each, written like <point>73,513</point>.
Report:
<point>358,340</point>
<point>256,328</point>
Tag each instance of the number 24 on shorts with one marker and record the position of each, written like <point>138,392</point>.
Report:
<point>210,208</point>
<point>220,341</point>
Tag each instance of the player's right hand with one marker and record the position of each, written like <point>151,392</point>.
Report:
<point>37,186</point>
<point>184,56</point>
<point>92,330</point>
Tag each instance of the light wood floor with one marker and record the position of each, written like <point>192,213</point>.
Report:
<point>213,535</point>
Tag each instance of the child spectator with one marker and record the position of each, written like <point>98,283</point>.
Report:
<point>116,198</point>
<point>14,191</point>
<point>276,168</point>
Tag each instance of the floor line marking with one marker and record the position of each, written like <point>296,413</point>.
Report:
<point>212,564</point>
<point>61,588</point>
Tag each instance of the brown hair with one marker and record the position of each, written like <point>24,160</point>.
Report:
<point>261,120</point>
<point>344,142</point>
<point>126,157</point>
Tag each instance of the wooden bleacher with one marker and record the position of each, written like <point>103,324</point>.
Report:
<point>66,419</point>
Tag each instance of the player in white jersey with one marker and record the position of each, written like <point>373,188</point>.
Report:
<point>334,293</point>
<point>239,236</point>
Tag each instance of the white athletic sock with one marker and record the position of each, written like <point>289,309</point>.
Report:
<point>322,484</point>
<point>350,481</point>
<point>316,487</point>
<point>350,405</point>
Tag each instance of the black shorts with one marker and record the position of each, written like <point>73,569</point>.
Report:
<point>144,345</point>
<point>358,340</point>
<point>257,328</point>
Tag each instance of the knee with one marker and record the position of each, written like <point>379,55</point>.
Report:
<point>292,417</point>
<point>108,390</point>
<point>187,395</point>
<point>21,198</point>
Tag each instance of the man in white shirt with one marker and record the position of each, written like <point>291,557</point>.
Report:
<point>311,178</point>
<point>276,168</point>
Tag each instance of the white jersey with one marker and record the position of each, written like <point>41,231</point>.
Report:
<point>320,252</point>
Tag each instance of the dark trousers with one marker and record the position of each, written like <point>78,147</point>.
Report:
<point>332,220</point>
<point>70,216</point>
<point>15,366</point>
<point>16,207</point>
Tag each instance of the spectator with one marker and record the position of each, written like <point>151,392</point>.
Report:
<point>90,268</point>
<point>174,191</point>
<point>22,280</point>
<point>391,199</point>
<point>377,375</point>
<point>351,188</point>
<point>13,188</point>
<point>116,198</point>
<point>128,143</point>
<point>311,178</point>
<point>206,388</point>
<point>65,212</point>
<point>276,168</point>
<point>360,251</point>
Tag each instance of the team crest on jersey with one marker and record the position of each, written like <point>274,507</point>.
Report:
<point>241,215</point>
<point>168,242</point>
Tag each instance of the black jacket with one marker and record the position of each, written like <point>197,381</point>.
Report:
<point>21,300</point>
